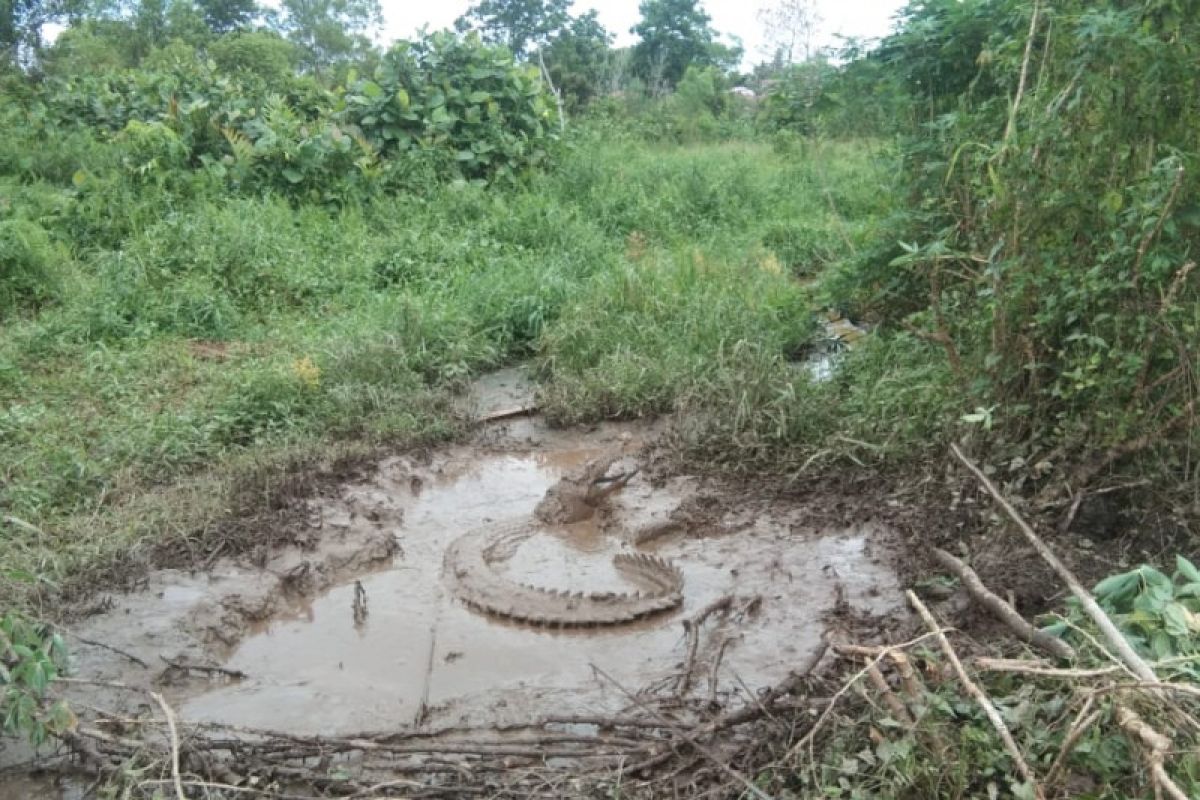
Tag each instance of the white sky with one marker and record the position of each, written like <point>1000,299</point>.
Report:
<point>866,18</point>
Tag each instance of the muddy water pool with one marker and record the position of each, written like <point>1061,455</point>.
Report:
<point>355,630</point>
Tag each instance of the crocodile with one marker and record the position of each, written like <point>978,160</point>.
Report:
<point>471,563</point>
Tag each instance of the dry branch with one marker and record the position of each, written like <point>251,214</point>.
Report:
<point>699,748</point>
<point>1012,114</point>
<point>1089,604</point>
<point>809,737</point>
<point>1001,610</point>
<point>235,674</point>
<point>977,694</point>
<point>166,709</point>
<point>506,413</point>
<point>1156,747</point>
<point>1083,721</point>
<point>894,704</point>
<point>692,628</point>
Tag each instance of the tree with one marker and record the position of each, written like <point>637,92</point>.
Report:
<point>789,28</point>
<point>223,16</point>
<point>330,32</point>
<point>673,35</point>
<point>520,25</point>
<point>90,47</point>
<point>577,58</point>
<point>21,23</point>
<point>261,54</point>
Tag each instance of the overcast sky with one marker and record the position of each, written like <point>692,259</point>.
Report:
<point>869,18</point>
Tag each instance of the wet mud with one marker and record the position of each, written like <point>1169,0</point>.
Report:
<point>356,629</point>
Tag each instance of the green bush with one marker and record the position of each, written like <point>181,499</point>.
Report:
<point>29,266</point>
<point>468,102</point>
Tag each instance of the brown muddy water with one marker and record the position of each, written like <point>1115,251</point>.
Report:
<point>356,631</point>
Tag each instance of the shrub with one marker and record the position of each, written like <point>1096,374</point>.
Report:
<point>29,274</point>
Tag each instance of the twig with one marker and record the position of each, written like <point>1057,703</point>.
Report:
<point>1012,114</point>
<point>1157,746</point>
<point>889,697</point>
<point>170,715</point>
<point>107,647</point>
<point>840,693</point>
<point>507,413</point>
<point>1039,669</point>
<point>1083,721</point>
<point>236,674</point>
<point>716,668</point>
<point>699,748</point>
<point>692,627</point>
<point>977,694</point>
<point>1149,238</point>
<point>1089,604</point>
<point>1001,609</point>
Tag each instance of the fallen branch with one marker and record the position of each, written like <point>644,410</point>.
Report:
<point>1040,669</point>
<point>506,413</point>
<point>1001,610</point>
<point>977,694</point>
<point>692,629</point>
<point>894,703</point>
<point>1156,747</point>
<point>1089,604</point>
<point>808,738</point>
<point>107,647</point>
<point>175,777</point>
<point>699,748</point>
<point>235,674</point>
<point>1083,721</point>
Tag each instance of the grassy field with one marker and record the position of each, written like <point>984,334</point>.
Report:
<point>188,348</point>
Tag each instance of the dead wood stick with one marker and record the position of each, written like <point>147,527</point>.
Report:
<point>692,628</point>
<point>227,787</point>
<point>808,738</point>
<point>507,413</point>
<point>1000,608</point>
<point>108,647</point>
<point>1156,747</point>
<point>236,674</point>
<point>699,748</point>
<point>170,715</point>
<point>760,706</point>
<point>1089,604</point>
<point>894,704</point>
<point>1040,668</point>
<point>716,668</point>
<point>909,679</point>
<point>601,722</point>
<point>977,694</point>
<point>1012,114</point>
<point>913,687</point>
<point>1083,721</point>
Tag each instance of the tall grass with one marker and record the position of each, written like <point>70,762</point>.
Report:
<point>639,278</point>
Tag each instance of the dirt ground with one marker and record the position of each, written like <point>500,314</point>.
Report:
<point>339,625</point>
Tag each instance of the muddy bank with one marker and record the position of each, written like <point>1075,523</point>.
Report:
<point>354,629</point>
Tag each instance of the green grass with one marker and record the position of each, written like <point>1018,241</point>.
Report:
<point>223,331</point>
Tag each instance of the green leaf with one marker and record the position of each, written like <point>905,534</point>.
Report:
<point>1187,569</point>
<point>372,90</point>
<point>293,176</point>
<point>1115,586</point>
<point>1175,620</point>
